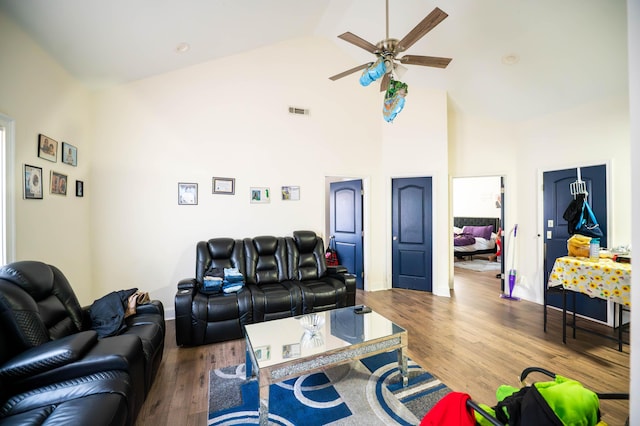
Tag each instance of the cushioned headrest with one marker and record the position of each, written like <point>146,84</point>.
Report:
<point>265,244</point>
<point>305,240</point>
<point>221,248</point>
<point>36,278</point>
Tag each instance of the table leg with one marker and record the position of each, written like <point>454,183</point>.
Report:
<point>564,315</point>
<point>248,365</point>
<point>263,409</point>
<point>573,294</point>
<point>402,366</point>
<point>619,325</point>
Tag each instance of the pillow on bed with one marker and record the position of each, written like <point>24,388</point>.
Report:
<point>479,231</point>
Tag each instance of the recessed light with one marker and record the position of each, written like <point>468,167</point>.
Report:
<point>510,59</point>
<point>182,47</point>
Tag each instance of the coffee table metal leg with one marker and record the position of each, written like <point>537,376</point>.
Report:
<point>263,410</point>
<point>402,366</point>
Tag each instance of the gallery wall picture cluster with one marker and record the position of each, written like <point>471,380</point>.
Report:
<point>188,191</point>
<point>33,184</point>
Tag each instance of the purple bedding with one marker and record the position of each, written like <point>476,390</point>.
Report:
<point>463,239</point>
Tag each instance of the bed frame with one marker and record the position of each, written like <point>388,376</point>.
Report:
<point>461,222</point>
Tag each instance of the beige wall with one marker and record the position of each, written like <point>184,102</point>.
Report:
<point>416,145</point>
<point>42,98</point>
<point>206,121</point>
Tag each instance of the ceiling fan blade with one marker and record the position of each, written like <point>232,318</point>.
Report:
<point>384,84</point>
<point>360,42</point>
<point>427,61</point>
<point>427,24</point>
<point>351,71</point>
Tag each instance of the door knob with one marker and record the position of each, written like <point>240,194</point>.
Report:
<point>395,238</point>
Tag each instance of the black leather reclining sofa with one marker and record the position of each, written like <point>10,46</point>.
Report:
<point>54,370</point>
<point>284,276</point>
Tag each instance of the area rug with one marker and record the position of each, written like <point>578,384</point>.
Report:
<point>366,392</point>
<point>478,265</point>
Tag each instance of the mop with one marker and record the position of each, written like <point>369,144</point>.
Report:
<point>512,271</point>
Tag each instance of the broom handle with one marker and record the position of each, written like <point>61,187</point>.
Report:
<point>513,252</point>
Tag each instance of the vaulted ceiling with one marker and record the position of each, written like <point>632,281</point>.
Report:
<point>566,53</point>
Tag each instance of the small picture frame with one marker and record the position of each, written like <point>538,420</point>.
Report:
<point>291,193</point>
<point>187,193</point>
<point>47,148</point>
<point>79,188</point>
<point>58,183</point>
<point>69,154</point>
<point>260,195</point>
<point>221,185</point>
<point>32,182</point>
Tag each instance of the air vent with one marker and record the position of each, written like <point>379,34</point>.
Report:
<point>298,111</point>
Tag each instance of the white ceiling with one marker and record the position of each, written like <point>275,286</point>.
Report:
<point>570,51</point>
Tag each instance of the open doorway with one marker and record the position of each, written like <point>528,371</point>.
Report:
<point>344,223</point>
<point>478,212</point>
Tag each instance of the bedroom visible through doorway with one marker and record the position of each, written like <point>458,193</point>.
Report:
<point>477,205</point>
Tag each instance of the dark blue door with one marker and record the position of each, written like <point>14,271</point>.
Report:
<point>412,234</point>
<point>345,209</point>
<point>557,196</point>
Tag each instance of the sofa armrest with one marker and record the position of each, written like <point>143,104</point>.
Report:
<point>339,269</point>
<point>152,307</point>
<point>123,353</point>
<point>349,281</point>
<point>184,296</point>
<point>48,356</point>
<point>187,283</point>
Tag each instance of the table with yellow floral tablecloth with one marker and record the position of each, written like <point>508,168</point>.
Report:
<point>604,279</point>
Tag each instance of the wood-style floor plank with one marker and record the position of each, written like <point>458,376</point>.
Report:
<point>473,341</point>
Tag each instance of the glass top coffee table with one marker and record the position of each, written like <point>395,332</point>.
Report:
<point>290,347</point>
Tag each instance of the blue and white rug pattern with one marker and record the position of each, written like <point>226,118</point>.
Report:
<point>363,392</point>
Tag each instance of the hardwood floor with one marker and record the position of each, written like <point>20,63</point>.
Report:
<point>473,341</point>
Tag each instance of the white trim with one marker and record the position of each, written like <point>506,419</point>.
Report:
<point>7,190</point>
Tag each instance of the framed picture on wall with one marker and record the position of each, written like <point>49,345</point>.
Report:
<point>32,182</point>
<point>291,193</point>
<point>224,185</point>
<point>79,188</point>
<point>58,183</point>
<point>47,148</point>
<point>260,195</point>
<point>187,194</point>
<point>69,154</point>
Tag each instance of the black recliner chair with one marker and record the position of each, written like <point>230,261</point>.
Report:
<point>50,356</point>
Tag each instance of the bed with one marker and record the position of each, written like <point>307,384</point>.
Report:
<point>479,236</point>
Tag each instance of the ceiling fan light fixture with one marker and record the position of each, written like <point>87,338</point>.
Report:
<point>400,70</point>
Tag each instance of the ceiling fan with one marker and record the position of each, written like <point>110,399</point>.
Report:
<point>389,48</point>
